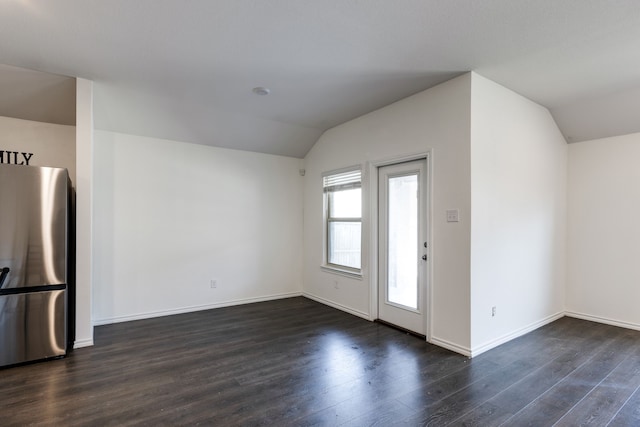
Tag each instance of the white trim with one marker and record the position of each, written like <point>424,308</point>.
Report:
<point>83,343</point>
<point>189,309</point>
<point>342,272</point>
<point>605,320</point>
<point>372,191</point>
<point>340,307</point>
<point>431,240</point>
<point>326,265</point>
<point>451,346</point>
<point>515,334</point>
<point>401,159</point>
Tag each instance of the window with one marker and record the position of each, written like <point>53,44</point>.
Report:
<point>343,220</point>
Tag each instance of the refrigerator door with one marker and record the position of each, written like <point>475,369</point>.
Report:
<point>33,226</point>
<point>32,326</point>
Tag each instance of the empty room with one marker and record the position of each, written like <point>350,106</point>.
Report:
<point>299,212</point>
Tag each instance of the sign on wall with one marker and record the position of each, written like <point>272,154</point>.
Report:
<point>15,157</point>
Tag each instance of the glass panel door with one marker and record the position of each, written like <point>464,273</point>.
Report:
<point>402,248</point>
<point>402,245</point>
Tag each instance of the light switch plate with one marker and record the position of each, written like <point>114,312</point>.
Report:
<point>452,215</point>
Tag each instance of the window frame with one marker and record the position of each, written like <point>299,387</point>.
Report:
<point>328,219</point>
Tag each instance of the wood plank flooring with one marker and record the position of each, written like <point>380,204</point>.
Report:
<point>295,362</point>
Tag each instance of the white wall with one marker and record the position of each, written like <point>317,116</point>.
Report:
<point>518,221</point>
<point>170,216</point>
<point>84,212</point>
<point>436,119</point>
<point>604,231</point>
<point>52,145</point>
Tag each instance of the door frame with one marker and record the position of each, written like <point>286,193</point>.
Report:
<point>373,167</point>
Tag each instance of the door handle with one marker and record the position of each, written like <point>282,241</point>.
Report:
<point>424,257</point>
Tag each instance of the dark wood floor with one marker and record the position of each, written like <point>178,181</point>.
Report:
<point>296,362</point>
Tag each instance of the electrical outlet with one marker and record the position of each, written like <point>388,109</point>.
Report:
<point>493,311</point>
<point>214,283</point>
<point>335,284</point>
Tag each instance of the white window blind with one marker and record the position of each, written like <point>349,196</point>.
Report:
<point>343,181</point>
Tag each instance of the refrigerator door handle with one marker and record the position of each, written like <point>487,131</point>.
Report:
<point>3,275</point>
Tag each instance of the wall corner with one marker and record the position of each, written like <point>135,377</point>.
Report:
<point>84,211</point>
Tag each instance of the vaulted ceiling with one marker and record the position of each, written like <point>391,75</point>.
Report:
<point>185,69</point>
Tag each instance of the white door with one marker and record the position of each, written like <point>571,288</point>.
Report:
<point>403,256</point>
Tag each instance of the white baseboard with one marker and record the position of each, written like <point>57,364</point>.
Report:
<point>434,340</point>
<point>605,320</point>
<point>83,343</point>
<point>451,346</point>
<point>340,307</point>
<point>189,309</point>
<point>476,351</point>
<point>515,334</point>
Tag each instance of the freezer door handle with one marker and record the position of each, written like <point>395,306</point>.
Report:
<point>3,275</point>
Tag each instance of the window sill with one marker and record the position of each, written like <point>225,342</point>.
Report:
<point>341,272</point>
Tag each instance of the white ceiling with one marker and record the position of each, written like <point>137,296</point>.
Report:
<point>184,69</point>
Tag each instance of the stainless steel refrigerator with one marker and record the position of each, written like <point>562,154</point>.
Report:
<point>36,268</point>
